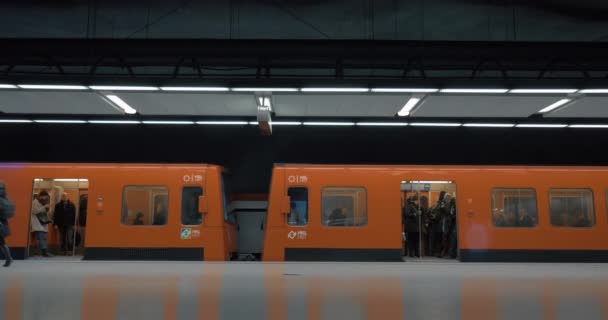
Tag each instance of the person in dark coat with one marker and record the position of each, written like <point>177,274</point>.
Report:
<point>412,226</point>
<point>435,228</point>
<point>139,219</point>
<point>447,223</point>
<point>8,259</point>
<point>453,228</point>
<point>525,220</point>
<point>337,218</point>
<point>65,220</point>
<point>82,217</point>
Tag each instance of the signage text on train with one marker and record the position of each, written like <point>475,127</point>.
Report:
<point>300,235</point>
<point>297,179</point>
<point>188,178</point>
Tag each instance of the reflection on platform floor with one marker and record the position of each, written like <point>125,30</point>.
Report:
<point>66,289</point>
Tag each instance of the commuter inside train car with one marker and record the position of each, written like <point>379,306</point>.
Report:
<point>82,219</point>
<point>412,224</point>
<point>525,220</point>
<point>337,218</point>
<point>435,228</point>
<point>499,218</point>
<point>139,219</point>
<point>40,220</point>
<point>160,210</point>
<point>453,230</point>
<point>298,215</point>
<point>64,220</point>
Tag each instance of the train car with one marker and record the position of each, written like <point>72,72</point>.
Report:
<point>355,213</point>
<point>124,211</point>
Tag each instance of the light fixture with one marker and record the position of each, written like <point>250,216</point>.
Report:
<point>334,90</point>
<point>116,100</point>
<point>167,122</point>
<point>114,121</point>
<point>286,123</point>
<point>8,86</point>
<point>60,121</point>
<point>435,124</point>
<point>329,123</point>
<point>489,125</point>
<point>382,124</point>
<point>409,106</point>
<point>588,91</point>
<point>474,90</point>
<point>554,106</point>
<point>265,89</point>
<point>222,122</point>
<point>254,123</point>
<point>15,121</point>
<point>543,90</point>
<point>538,125</point>
<point>124,88</point>
<point>52,87</point>
<point>589,126</point>
<point>410,90</point>
<point>204,89</point>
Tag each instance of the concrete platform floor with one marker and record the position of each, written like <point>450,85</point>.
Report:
<point>64,288</point>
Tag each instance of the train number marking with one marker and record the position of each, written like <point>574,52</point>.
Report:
<point>192,178</point>
<point>297,179</point>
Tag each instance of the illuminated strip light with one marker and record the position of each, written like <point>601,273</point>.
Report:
<point>223,122</point>
<point>525,125</point>
<point>15,121</point>
<point>382,124</point>
<point>554,106</point>
<point>489,125</point>
<point>72,180</point>
<point>329,123</point>
<point>253,123</point>
<point>429,181</point>
<point>124,88</point>
<point>409,106</point>
<point>52,87</point>
<point>589,126</point>
<point>60,121</point>
<point>334,90</point>
<point>543,90</point>
<point>434,124</point>
<point>474,90</point>
<point>265,89</point>
<point>121,104</point>
<point>114,121</point>
<point>203,89</point>
<point>8,86</point>
<point>168,122</point>
<point>583,91</point>
<point>410,90</point>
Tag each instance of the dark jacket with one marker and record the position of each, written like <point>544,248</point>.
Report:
<point>82,213</point>
<point>3,220</point>
<point>436,215</point>
<point>65,214</point>
<point>412,219</point>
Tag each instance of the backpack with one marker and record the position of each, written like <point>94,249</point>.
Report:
<point>7,208</point>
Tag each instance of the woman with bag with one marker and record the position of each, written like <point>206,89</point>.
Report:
<point>6,211</point>
<point>40,220</point>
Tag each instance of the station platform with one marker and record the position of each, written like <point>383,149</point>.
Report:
<point>65,288</point>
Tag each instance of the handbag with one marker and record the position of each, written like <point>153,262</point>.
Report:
<point>43,218</point>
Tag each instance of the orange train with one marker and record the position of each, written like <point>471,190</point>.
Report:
<point>321,212</point>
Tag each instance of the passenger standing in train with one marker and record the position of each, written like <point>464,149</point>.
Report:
<point>412,224</point>
<point>82,217</point>
<point>525,220</point>
<point>435,227</point>
<point>64,220</point>
<point>337,218</point>
<point>160,214</point>
<point>39,220</point>
<point>139,219</point>
<point>7,210</point>
<point>424,211</point>
<point>453,243</point>
<point>445,225</point>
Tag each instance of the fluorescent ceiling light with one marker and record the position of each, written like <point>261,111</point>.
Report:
<point>543,90</point>
<point>429,181</point>
<point>474,90</point>
<point>409,105</point>
<point>265,89</point>
<point>168,122</point>
<point>253,123</point>
<point>382,124</point>
<point>334,89</point>
<point>124,88</point>
<point>434,124</point>
<point>121,104</point>
<point>588,126</point>
<point>582,91</point>
<point>489,125</point>
<point>287,123</point>
<point>114,121</point>
<point>52,87</point>
<point>410,90</point>
<point>15,121</point>
<point>222,122</point>
<point>60,121</point>
<point>329,123</point>
<point>8,86</point>
<point>524,125</point>
<point>194,89</point>
<point>554,106</point>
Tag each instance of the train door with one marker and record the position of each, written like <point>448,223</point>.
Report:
<point>58,217</point>
<point>429,218</point>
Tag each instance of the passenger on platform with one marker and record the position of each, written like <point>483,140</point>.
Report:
<point>82,217</point>
<point>453,242</point>
<point>435,228</point>
<point>39,221</point>
<point>7,210</point>
<point>64,220</point>
<point>139,219</point>
<point>412,225</point>
<point>337,217</point>
<point>525,220</point>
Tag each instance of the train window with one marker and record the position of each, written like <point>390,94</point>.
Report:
<point>145,205</point>
<point>344,207</point>
<point>514,208</point>
<point>190,214</point>
<point>571,208</point>
<point>299,206</point>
